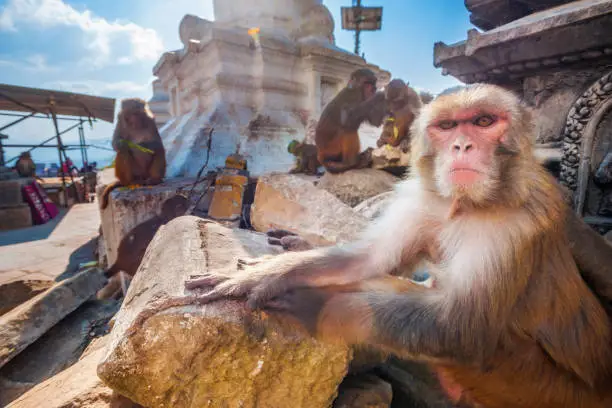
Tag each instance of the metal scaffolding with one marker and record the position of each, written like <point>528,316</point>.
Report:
<point>46,104</point>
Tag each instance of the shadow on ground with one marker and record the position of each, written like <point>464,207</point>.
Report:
<point>34,233</point>
<point>84,253</point>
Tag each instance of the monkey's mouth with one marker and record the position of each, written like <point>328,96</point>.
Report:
<point>464,175</point>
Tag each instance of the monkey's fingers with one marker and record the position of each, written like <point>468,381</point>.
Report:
<point>204,281</point>
<point>274,241</point>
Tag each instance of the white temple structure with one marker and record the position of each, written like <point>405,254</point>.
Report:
<point>256,99</point>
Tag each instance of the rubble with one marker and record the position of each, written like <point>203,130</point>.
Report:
<point>285,201</point>
<point>217,355</point>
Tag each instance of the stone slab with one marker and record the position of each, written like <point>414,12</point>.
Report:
<point>15,293</point>
<point>216,355</point>
<point>15,217</point>
<point>26,323</point>
<point>10,193</point>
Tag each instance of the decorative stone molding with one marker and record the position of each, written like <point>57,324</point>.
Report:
<point>578,135</point>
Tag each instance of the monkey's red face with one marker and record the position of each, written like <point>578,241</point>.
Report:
<point>134,120</point>
<point>466,141</point>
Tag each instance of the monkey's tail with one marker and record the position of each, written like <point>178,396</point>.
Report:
<point>107,191</point>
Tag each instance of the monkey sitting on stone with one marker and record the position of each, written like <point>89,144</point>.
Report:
<point>133,246</point>
<point>25,165</point>
<point>306,158</point>
<point>403,104</point>
<point>141,158</point>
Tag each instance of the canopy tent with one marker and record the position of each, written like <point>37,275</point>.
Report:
<point>34,100</point>
<point>41,103</point>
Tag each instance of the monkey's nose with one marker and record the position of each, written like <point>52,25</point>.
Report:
<point>459,147</point>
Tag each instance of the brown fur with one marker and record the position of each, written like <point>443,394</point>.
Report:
<point>510,322</point>
<point>25,165</point>
<point>403,104</point>
<point>136,123</point>
<point>336,134</point>
<point>307,161</point>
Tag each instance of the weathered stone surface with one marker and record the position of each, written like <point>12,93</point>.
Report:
<point>15,293</point>
<point>76,387</point>
<point>215,355</point>
<point>129,207</point>
<point>354,186</point>
<point>26,323</point>
<point>289,202</point>
<point>15,217</point>
<point>67,340</point>
<point>373,207</point>
<point>608,236</point>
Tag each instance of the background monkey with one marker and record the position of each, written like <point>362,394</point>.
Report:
<point>25,165</point>
<point>141,158</point>
<point>306,158</point>
<point>510,322</point>
<point>403,104</point>
<point>336,134</point>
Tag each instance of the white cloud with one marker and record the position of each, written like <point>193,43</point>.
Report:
<point>33,63</point>
<point>100,34</point>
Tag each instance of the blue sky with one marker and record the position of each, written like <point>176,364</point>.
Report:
<point>108,47</point>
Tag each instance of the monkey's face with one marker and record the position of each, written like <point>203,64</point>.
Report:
<point>135,120</point>
<point>471,139</point>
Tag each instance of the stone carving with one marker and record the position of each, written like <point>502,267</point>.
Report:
<point>585,107</point>
<point>603,178</point>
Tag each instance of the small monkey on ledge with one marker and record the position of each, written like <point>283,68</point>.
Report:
<point>510,321</point>
<point>141,158</point>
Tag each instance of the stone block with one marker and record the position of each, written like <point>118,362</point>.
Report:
<point>354,186</point>
<point>129,207</point>
<point>10,192</point>
<point>216,355</point>
<point>26,323</point>
<point>293,203</point>
<point>15,217</point>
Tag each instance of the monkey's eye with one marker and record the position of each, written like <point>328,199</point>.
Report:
<point>447,124</point>
<point>484,120</point>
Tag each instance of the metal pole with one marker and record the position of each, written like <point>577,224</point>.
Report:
<point>357,5</point>
<point>44,142</point>
<point>16,121</point>
<point>2,162</point>
<point>59,151</point>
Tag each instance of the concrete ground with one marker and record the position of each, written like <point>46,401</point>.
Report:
<point>51,251</point>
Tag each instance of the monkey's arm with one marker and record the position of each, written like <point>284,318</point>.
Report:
<point>393,314</point>
<point>385,245</point>
<point>373,110</point>
<point>117,134</point>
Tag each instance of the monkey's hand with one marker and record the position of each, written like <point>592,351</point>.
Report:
<point>263,280</point>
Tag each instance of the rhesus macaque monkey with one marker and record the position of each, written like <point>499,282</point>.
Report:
<point>25,165</point>
<point>403,104</point>
<point>141,158</point>
<point>509,322</point>
<point>336,134</point>
<point>306,160</point>
<point>134,244</point>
